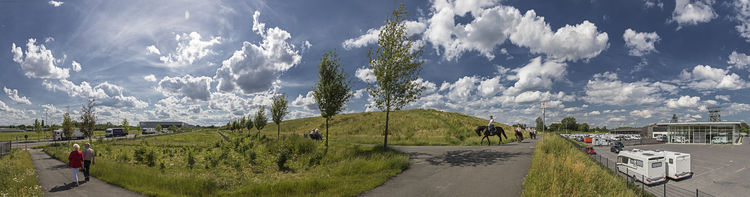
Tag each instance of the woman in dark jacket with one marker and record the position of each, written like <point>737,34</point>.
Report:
<point>75,161</point>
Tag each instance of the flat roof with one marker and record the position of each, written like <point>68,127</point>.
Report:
<point>699,123</point>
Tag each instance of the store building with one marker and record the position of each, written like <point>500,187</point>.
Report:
<point>702,132</point>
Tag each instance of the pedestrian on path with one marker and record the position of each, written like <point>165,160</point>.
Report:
<point>75,159</point>
<point>88,159</point>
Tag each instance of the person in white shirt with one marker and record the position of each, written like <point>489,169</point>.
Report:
<point>491,125</point>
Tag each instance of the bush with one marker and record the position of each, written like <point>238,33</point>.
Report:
<point>151,158</point>
<point>282,158</point>
<point>190,159</point>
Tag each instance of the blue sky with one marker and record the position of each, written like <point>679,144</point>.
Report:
<point>613,63</point>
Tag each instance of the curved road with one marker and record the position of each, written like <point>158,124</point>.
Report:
<point>461,171</point>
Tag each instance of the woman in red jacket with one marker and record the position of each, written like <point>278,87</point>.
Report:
<point>75,161</point>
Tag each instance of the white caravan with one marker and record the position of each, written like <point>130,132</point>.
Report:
<point>60,135</point>
<point>644,166</point>
<point>678,164</point>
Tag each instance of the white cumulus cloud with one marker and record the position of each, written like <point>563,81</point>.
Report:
<point>606,88</point>
<point>684,101</point>
<point>707,78</point>
<point>738,60</point>
<point>76,66</point>
<point>56,3</point>
<point>692,12</point>
<point>640,43</point>
<point>152,50</point>
<point>307,101</point>
<point>196,88</point>
<point>190,48</point>
<point>38,61</point>
<point>742,10</point>
<point>537,75</point>
<point>13,95</point>
<point>151,78</point>
<point>106,94</point>
<point>366,75</point>
<point>256,66</point>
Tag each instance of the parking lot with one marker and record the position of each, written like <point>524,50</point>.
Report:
<point>720,170</point>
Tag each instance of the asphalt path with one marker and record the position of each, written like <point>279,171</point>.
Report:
<point>719,169</point>
<point>497,170</point>
<point>56,179</point>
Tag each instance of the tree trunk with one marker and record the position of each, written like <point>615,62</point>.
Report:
<point>326,133</point>
<point>278,130</point>
<point>385,142</point>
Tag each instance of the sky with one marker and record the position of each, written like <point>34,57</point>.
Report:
<point>607,63</point>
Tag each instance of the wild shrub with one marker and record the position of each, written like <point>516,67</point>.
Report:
<point>190,159</point>
<point>151,158</point>
<point>283,157</point>
<point>251,156</point>
<point>140,155</point>
<point>124,156</point>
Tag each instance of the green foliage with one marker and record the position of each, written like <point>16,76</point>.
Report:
<point>37,126</point>
<point>583,127</point>
<point>67,125</point>
<point>744,127</point>
<point>173,128</point>
<point>559,169</point>
<point>88,119</point>
<point>260,118</point>
<point>125,125</point>
<point>569,123</point>
<point>539,123</point>
<point>190,159</point>
<point>248,123</point>
<point>283,157</point>
<point>396,66</point>
<point>278,111</point>
<point>18,175</point>
<point>333,88</point>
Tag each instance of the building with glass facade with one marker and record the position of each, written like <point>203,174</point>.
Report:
<point>702,132</point>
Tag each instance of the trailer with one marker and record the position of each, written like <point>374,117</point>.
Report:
<point>60,135</point>
<point>587,139</point>
<point>644,166</point>
<point>678,165</point>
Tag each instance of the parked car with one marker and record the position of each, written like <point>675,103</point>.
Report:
<point>590,150</point>
<point>615,148</point>
<point>147,131</point>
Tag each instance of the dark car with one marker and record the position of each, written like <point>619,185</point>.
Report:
<point>616,147</point>
<point>118,132</point>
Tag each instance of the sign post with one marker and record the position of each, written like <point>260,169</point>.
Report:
<point>544,123</point>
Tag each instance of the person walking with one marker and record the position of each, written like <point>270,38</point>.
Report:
<point>88,160</point>
<point>75,159</point>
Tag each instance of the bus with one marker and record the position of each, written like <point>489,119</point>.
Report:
<point>645,166</point>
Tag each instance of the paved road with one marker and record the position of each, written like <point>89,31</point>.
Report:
<point>56,179</point>
<point>720,170</point>
<point>461,171</point>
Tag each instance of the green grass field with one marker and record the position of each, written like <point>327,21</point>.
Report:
<point>559,169</point>
<point>408,127</point>
<point>247,166</point>
<point>18,177</point>
<point>6,136</point>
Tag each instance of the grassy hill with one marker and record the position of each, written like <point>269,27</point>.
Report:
<point>407,127</point>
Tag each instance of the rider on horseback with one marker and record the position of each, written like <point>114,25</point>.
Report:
<point>491,126</point>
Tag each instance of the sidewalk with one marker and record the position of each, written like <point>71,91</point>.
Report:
<point>56,179</point>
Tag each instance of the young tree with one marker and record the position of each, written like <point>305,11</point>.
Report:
<point>539,123</point>
<point>396,65</point>
<point>37,126</point>
<point>242,124</point>
<point>88,119</point>
<point>173,128</point>
<point>235,125</point>
<point>278,111</point>
<point>67,125</point>
<point>332,90</point>
<point>158,128</point>
<point>125,125</point>
<point>260,118</point>
<point>248,123</point>
<point>569,123</point>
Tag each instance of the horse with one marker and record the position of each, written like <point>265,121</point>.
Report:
<point>487,133</point>
<point>519,136</point>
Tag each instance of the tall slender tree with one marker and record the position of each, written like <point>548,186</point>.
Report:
<point>242,124</point>
<point>260,119</point>
<point>396,65</point>
<point>67,125</point>
<point>37,126</point>
<point>278,111</point>
<point>333,88</point>
<point>88,119</point>
<point>248,123</point>
<point>125,125</point>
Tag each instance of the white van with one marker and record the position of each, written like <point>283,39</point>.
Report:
<point>644,166</point>
<point>678,164</point>
<point>60,135</point>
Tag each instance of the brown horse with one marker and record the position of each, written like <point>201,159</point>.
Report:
<point>519,136</point>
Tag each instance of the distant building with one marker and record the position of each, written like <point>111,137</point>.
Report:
<point>639,131</point>
<point>164,125</point>
<point>10,130</point>
<point>702,132</point>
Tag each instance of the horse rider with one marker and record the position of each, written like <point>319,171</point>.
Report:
<point>491,125</point>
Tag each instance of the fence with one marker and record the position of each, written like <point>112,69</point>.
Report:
<point>663,189</point>
<point>5,147</point>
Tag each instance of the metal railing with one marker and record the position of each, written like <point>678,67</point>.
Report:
<point>663,189</point>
